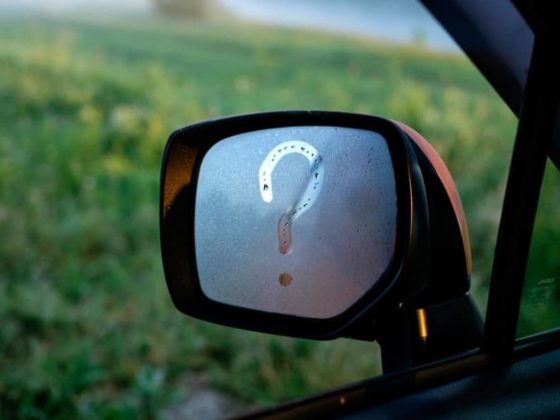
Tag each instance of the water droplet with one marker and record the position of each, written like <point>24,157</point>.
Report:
<point>285,279</point>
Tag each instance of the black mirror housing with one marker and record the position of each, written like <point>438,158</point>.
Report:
<point>415,272</point>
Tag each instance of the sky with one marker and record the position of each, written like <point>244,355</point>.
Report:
<point>396,20</point>
<point>58,6</point>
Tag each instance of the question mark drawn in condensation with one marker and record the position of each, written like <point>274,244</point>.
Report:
<point>305,200</point>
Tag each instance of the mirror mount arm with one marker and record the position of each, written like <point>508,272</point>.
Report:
<point>441,319</point>
<point>411,337</point>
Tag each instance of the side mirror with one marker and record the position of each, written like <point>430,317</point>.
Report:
<point>308,224</point>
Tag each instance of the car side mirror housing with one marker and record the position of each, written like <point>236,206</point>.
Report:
<point>308,224</point>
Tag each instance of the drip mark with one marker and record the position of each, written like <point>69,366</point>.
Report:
<point>285,279</point>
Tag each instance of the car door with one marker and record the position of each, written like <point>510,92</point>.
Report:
<point>509,376</point>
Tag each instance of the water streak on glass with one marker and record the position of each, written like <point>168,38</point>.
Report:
<point>308,196</point>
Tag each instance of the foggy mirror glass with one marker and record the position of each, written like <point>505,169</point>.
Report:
<point>298,220</point>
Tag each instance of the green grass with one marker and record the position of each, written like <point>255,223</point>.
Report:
<point>87,326</point>
<point>540,309</point>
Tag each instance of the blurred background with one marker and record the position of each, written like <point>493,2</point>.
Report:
<point>90,90</point>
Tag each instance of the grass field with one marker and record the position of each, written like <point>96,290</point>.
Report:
<point>87,328</point>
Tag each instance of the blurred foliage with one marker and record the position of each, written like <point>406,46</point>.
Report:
<point>189,9</point>
<point>87,327</point>
<point>540,309</point>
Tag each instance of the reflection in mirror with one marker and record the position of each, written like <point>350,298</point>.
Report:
<point>295,220</point>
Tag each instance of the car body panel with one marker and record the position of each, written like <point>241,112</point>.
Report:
<point>526,389</point>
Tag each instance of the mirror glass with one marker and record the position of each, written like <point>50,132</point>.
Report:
<point>295,220</point>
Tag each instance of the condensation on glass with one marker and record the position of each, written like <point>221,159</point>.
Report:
<point>297,220</point>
